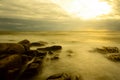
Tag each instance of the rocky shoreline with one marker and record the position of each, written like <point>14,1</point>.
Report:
<point>18,61</point>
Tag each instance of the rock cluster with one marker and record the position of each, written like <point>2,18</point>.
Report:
<point>107,50</point>
<point>112,53</point>
<point>17,60</point>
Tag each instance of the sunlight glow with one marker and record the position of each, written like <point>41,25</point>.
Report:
<point>86,9</point>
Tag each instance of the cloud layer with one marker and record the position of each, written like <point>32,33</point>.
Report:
<point>42,15</point>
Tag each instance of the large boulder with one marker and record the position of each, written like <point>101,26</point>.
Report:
<point>11,48</point>
<point>10,66</point>
<point>11,61</point>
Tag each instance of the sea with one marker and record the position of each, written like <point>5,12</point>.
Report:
<point>76,56</point>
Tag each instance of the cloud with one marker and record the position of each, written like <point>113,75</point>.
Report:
<point>35,15</point>
<point>35,9</point>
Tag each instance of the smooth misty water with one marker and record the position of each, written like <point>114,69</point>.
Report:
<point>91,66</point>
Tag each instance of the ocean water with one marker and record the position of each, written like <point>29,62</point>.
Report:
<point>90,65</point>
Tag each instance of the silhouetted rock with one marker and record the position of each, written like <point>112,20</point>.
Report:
<point>26,44</point>
<point>52,48</point>
<point>40,43</point>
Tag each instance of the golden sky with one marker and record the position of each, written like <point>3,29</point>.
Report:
<point>59,15</point>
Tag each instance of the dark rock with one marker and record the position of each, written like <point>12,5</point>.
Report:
<point>50,52</point>
<point>107,50</point>
<point>26,44</point>
<point>33,67</point>
<point>111,49</point>
<point>55,76</point>
<point>32,52</point>
<point>11,48</point>
<point>41,54</point>
<point>114,57</point>
<point>52,48</point>
<point>64,76</point>
<point>10,66</point>
<point>38,44</point>
<point>55,58</point>
<point>11,61</point>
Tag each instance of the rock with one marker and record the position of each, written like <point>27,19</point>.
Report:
<point>107,50</point>
<point>10,66</point>
<point>40,43</point>
<point>32,52</point>
<point>114,57</point>
<point>26,44</point>
<point>52,48</point>
<point>11,61</point>
<point>55,58</point>
<point>11,48</point>
<point>33,67</point>
<point>111,49</point>
<point>64,76</point>
<point>55,76</point>
<point>50,52</point>
<point>41,54</point>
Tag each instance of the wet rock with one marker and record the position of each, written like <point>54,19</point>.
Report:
<point>55,76</point>
<point>26,44</point>
<point>11,61</point>
<point>10,65</point>
<point>40,43</point>
<point>55,57</point>
<point>52,48</point>
<point>64,76</point>
<point>114,57</point>
<point>41,54</point>
<point>50,52</point>
<point>32,52</point>
<point>11,48</point>
<point>33,68</point>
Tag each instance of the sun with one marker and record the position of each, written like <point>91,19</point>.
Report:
<point>85,9</point>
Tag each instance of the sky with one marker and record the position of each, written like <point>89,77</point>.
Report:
<point>59,15</point>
